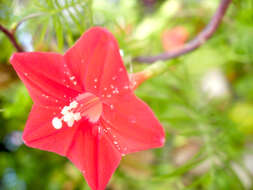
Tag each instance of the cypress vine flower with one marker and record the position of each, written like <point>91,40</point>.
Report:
<point>84,108</point>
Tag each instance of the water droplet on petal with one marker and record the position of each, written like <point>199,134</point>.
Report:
<point>100,129</point>
<point>97,131</point>
<point>115,142</point>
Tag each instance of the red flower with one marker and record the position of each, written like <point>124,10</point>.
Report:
<point>84,108</point>
<point>173,39</point>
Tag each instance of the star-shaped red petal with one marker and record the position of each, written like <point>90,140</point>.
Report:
<point>84,108</point>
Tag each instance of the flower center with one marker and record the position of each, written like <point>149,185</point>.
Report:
<point>86,105</point>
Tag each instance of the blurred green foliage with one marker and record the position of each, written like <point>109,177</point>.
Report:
<point>204,101</point>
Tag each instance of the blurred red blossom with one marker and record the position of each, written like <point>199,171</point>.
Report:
<point>173,39</point>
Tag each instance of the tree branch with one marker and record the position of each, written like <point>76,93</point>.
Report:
<point>12,38</point>
<point>200,39</point>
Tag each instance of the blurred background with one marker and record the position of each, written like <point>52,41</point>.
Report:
<point>204,101</point>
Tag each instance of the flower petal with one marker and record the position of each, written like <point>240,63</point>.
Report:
<point>131,125</point>
<point>40,133</point>
<point>46,77</point>
<point>95,58</point>
<point>94,155</point>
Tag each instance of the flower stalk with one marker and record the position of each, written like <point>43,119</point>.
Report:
<point>153,70</point>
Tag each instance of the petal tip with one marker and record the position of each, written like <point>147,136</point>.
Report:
<point>24,139</point>
<point>12,58</point>
<point>15,56</point>
<point>162,141</point>
<point>99,29</point>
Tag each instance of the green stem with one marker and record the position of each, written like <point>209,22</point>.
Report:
<point>157,68</point>
<point>151,71</point>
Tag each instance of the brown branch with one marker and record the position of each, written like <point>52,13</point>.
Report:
<point>12,38</point>
<point>199,40</point>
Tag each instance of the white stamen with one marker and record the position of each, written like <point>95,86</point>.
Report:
<point>65,110</point>
<point>68,115</point>
<point>73,104</point>
<point>77,116</point>
<point>70,123</point>
<point>57,123</point>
